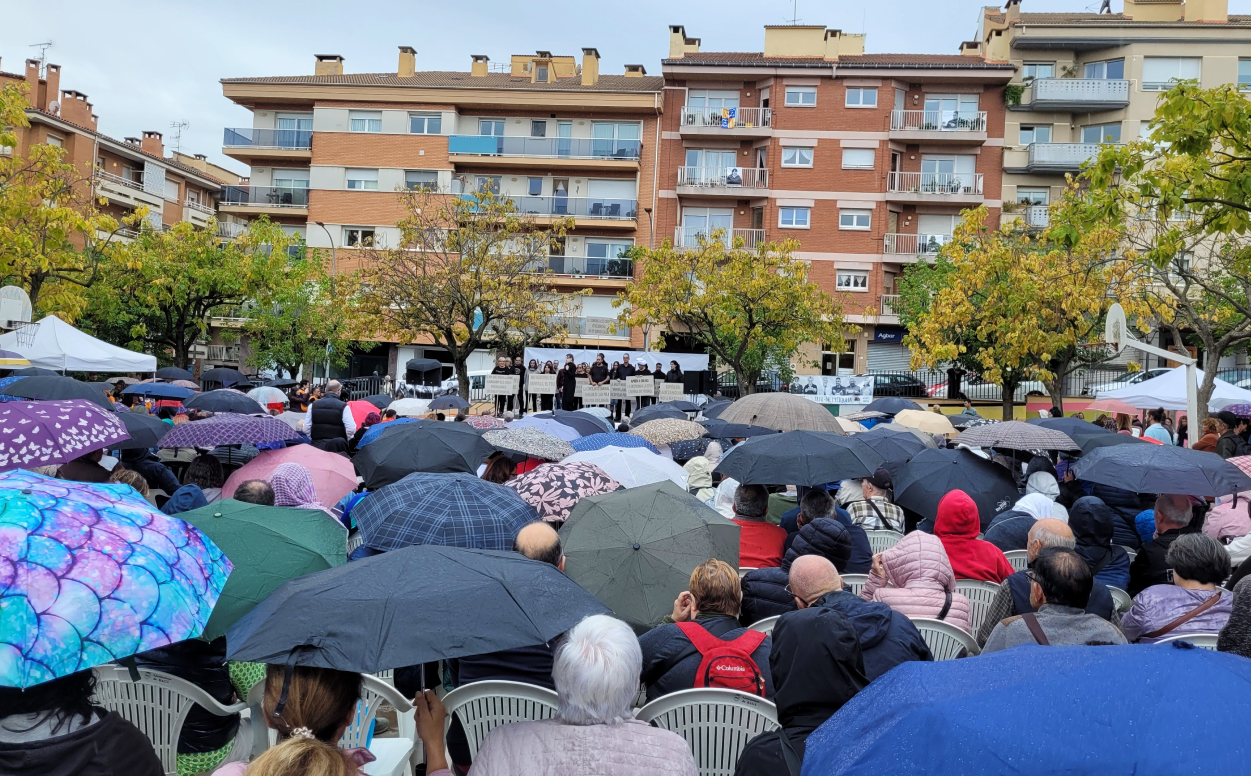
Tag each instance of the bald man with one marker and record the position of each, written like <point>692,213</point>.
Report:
<point>1013,596</point>
<point>887,638</point>
<point>539,541</point>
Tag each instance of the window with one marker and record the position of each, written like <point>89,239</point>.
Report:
<point>362,180</point>
<point>1033,196</point>
<point>1032,70</point>
<point>1037,134</point>
<point>425,123</point>
<point>796,157</point>
<point>489,183</point>
<point>536,187</point>
<point>1160,73</point>
<point>1244,74</point>
<point>1102,133</point>
<point>854,219</point>
<point>491,127</point>
<point>794,217</point>
<point>538,128</point>
<point>171,190</point>
<point>858,158</point>
<point>613,139</point>
<point>604,257</point>
<point>710,98</point>
<point>421,180</point>
<point>1110,69</point>
<point>53,140</point>
<point>193,196</point>
<point>365,121</point>
<point>540,74</point>
<point>805,96</point>
<point>358,237</point>
<point>852,280</point>
<point>861,98</point>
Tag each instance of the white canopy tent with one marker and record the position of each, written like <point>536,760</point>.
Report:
<point>58,345</point>
<point>1169,391</point>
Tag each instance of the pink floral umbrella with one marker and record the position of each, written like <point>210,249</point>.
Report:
<point>554,489</point>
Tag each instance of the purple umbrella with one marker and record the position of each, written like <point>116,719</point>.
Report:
<point>38,433</point>
<point>227,428</point>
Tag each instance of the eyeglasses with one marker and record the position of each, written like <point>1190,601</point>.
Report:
<point>1032,577</point>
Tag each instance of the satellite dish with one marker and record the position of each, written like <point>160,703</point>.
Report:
<point>54,107</point>
<point>1116,329</point>
<point>14,306</point>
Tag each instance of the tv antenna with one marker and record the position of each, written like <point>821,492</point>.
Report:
<point>43,56</point>
<point>176,128</point>
<point>794,20</point>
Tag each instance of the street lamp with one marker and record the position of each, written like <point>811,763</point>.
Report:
<point>333,269</point>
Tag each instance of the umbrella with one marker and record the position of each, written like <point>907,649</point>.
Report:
<point>806,458</point>
<point>554,489</point>
<point>292,419</point>
<point>963,420</point>
<point>929,422</point>
<point>34,371</point>
<point>1243,462</point>
<point>281,382</point>
<point>714,408</point>
<point>420,446</point>
<point>268,546</point>
<point>633,467</point>
<point>485,422</point>
<point>333,475</point>
<point>10,359</point>
<point>547,426</point>
<point>224,400</point>
<point>925,438</point>
<point>531,442</point>
<point>931,474</point>
<point>409,606</point>
<point>781,411</point>
<point>145,431</point>
<point>49,388</point>
<point>1162,469</point>
<point>719,429</point>
<point>6,381</point>
<point>379,400</point>
<point>449,402</point>
<point>680,404</point>
<point>187,384</point>
<point>360,410</point>
<point>266,395</point>
<point>656,412</point>
<point>613,438</point>
<point>1088,436</point>
<point>410,407</point>
<point>1241,410</point>
<point>92,573</point>
<point>452,510</point>
<point>856,417</point>
<point>892,443</point>
<point>1114,405</point>
<point>1017,435</point>
<point>224,375</point>
<point>173,373</point>
<point>602,413</point>
<point>979,716</point>
<point>228,428</point>
<point>667,430</point>
<point>849,426</point>
<point>38,433</point>
<point>579,421</point>
<point>891,405</point>
<point>634,550</point>
<point>158,391</point>
<point>689,448</point>
<point>377,429</point>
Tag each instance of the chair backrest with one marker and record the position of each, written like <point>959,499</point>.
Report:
<point>742,570</point>
<point>484,706</point>
<point>765,625</point>
<point>1018,558</point>
<point>855,582</point>
<point>1131,552</point>
<point>374,693</point>
<point>980,594</point>
<point>882,539</point>
<point>157,704</point>
<point>717,724</point>
<point>945,640</point>
<point>1122,599</point>
<point>354,540</point>
<point>1200,640</point>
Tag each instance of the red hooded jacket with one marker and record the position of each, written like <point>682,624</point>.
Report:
<point>957,526</point>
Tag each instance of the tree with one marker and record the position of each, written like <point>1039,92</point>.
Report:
<point>468,272</point>
<point>747,307</point>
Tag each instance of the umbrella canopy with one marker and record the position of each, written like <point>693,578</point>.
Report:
<point>931,474</point>
<point>410,407</point>
<point>800,458</point>
<point>292,419</point>
<point>158,391</point>
<point>689,448</point>
<point>6,381</point>
<point>893,443</point>
<point>266,395</point>
<point>225,376</point>
<point>547,426</point>
<point>1241,410</point>
<point>377,429</point>
<point>145,431</point>
<point>713,409</point>
<point>929,422</point>
<point>449,402</point>
<point>173,373</point>
<point>360,410</point>
<point>634,550</point>
<point>633,467</point>
<point>925,438</point>
<point>1162,469</point>
<point>187,384</point>
<point>333,475</point>
<point>34,371</point>
<point>1113,405</point>
<point>224,400</point>
<point>531,442</point>
<point>38,433</point>
<point>10,359</point>
<point>666,431</point>
<point>379,400</point>
<point>1017,435</point>
<point>409,606</point>
<point>717,428</point>
<point>856,417</point>
<point>680,404</point>
<point>1088,436</point>
<point>228,428</point>
<point>420,446</point>
<point>891,405</point>
<point>579,421</point>
<point>656,412</point>
<point>48,388</point>
<point>600,412</point>
<point>849,426</point>
<point>963,420</point>
<point>958,717</point>
<point>485,422</point>
<point>781,411</point>
<point>554,489</point>
<point>92,573</point>
<point>268,546</point>
<point>281,382</point>
<point>1243,462</point>
<point>610,439</point>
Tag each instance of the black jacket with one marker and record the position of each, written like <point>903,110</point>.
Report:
<point>861,550</point>
<point>623,371</point>
<point>157,474</point>
<point>599,373</point>
<point>1126,504</point>
<point>1228,445</point>
<point>1099,603</point>
<point>204,665</point>
<point>1010,530</point>
<point>110,747</point>
<point>531,665</point>
<point>1093,525</point>
<point>569,385</point>
<point>673,376</point>
<point>328,419</point>
<point>1150,567</point>
<point>670,661</point>
<point>828,538</point>
<point>764,595</point>
<point>887,638</point>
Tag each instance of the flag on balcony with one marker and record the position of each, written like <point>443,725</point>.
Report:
<point>728,117</point>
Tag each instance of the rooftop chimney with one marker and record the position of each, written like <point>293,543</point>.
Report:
<point>1012,11</point>
<point>152,144</point>
<point>134,141</point>
<point>590,67</point>
<point>52,88</point>
<point>1204,11</point>
<point>481,63</point>
<point>635,71</point>
<point>201,157</point>
<point>32,82</point>
<point>679,44</point>
<point>328,64</point>
<point>76,110</point>
<point>408,62</point>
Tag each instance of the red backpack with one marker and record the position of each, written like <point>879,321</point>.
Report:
<point>726,665</point>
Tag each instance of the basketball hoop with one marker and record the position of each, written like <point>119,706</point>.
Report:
<point>25,332</point>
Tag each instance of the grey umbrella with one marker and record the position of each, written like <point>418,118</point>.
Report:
<point>635,549</point>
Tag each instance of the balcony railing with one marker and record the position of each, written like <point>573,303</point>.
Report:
<point>1036,215</point>
<point>1080,90</point>
<point>545,147</point>
<point>915,244</point>
<point>888,304</point>
<point>222,352</point>
<point>230,229</point>
<point>108,177</point>
<point>283,139</point>
<point>607,328</point>
<point>691,236</point>
<point>935,182</point>
<point>727,118</point>
<point>622,269</point>
<point>205,209</point>
<point>578,207</point>
<point>937,121</point>
<point>1065,156</point>
<point>264,196</point>
<point>728,177</point>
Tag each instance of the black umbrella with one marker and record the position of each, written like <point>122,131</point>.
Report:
<point>451,402</point>
<point>800,458</point>
<point>379,400</point>
<point>415,605</point>
<point>173,373</point>
<point>931,474</point>
<point>656,412</point>
<point>714,408</point>
<point>145,430</point>
<point>720,429</point>
<point>680,404</point>
<point>282,382</point>
<point>892,405</point>
<point>892,443</point>
<point>33,371</point>
<point>963,420</point>
<point>421,446</point>
<point>224,375</point>
<point>158,391</point>
<point>582,422</point>
<point>223,400</point>
<point>1149,468</point>
<point>1088,436</point>
<point>48,388</point>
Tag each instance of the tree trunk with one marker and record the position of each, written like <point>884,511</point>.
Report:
<point>1008,404</point>
<point>460,359</point>
<point>746,387</point>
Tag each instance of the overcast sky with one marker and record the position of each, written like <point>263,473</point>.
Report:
<point>154,63</point>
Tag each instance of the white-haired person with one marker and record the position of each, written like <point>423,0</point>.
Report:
<point>596,672</point>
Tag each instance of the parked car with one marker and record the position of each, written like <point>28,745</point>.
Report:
<point>1127,379</point>
<point>897,385</point>
<point>975,388</point>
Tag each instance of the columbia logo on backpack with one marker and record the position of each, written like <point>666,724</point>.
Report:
<point>726,665</point>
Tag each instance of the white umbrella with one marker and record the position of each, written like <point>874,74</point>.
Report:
<point>410,407</point>
<point>633,466</point>
<point>266,395</point>
<point>293,419</point>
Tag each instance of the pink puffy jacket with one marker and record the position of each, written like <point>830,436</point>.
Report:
<point>918,576</point>
<point>1229,520</point>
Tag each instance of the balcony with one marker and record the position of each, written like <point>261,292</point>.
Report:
<point>590,327</point>
<point>1036,216</point>
<point>127,192</point>
<point>1060,157</point>
<point>914,244</point>
<point>222,354</point>
<point>726,122</point>
<point>229,318</point>
<point>197,213</point>
<point>586,211</point>
<point>938,126</point>
<point>1077,94</point>
<point>274,200</point>
<point>887,308</point>
<point>739,182</point>
<point>692,236</point>
<point>545,152</point>
<point>952,187</point>
<point>574,272</point>
<point>229,230</point>
<point>247,143</point>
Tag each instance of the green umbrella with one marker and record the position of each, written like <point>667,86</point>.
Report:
<point>268,545</point>
<point>635,549</point>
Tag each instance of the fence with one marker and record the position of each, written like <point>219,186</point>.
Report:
<point>1084,382</point>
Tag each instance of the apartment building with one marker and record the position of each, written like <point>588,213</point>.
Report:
<point>866,160</point>
<point>329,151</point>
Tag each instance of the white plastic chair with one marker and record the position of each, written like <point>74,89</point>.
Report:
<point>1018,558</point>
<point>157,704</point>
<point>944,639</point>
<point>882,539</point>
<point>484,706</point>
<point>717,724</point>
<point>1131,552</point>
<point>980,595</point>
<point>354,540</point>
<point>855,582</point>
<point>765,625</point>
<point>742,570</point>
<point>1200,640</point>
<point>1121,599</point>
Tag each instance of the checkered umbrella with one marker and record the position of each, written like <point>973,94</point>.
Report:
<point>531,442</point>
<point>668,430</point>
<point>864,415</point>
<point>554,489</point>
<point>613,439</point>
<point>781,411</point>
<point>1242,462</point>
<point>485,422</point>
<point>1017,435</point>
<point>228,428</point>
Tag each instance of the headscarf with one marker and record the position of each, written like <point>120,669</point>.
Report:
<point>1091,521</point>
<point>699,472</point>
<point>957,525</point>
<point>1235,637</point>
<point>185,499</point>
<point>293,487</point>
<point>1036,505</point>
<point>1044,483</point>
